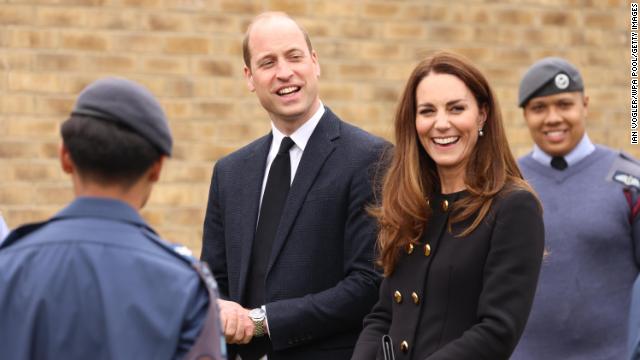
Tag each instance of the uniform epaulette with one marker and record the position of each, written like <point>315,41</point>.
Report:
<point>625,170</point>
<point>628,157</point>
<point>179,251</point>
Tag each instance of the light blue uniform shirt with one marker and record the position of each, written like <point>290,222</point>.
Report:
<point>581,151</point>
<point>93,283</point>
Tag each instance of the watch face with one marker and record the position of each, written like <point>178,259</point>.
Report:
<point>257,314</point>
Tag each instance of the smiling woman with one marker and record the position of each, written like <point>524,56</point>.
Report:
<point>448,122</point>
<point>461,234</point>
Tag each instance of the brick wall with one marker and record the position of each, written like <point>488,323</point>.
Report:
<point>188,52</point>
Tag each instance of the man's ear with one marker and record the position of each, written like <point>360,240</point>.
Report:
<point>154,171</point>
<point>314,59</point>
<point>66,163</point>
<point>585,102</point>
<point>249,77</point>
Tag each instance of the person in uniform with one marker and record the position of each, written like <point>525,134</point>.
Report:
<point>95,281</point>
<point>286,232</point>
<point>461,236</point>
<point>589,197</point>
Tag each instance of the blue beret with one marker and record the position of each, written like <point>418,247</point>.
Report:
<point>549,76</point>
<point>130,104</point>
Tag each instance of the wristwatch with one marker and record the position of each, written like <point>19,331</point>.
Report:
<point>258,315</point>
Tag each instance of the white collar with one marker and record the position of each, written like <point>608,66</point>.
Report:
<point>581,151</point>
<point>301,136</point>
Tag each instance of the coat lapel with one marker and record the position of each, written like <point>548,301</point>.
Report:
<point>318,149</point>
<point>253,169</point>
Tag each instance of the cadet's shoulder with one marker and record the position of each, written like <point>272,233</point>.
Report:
<point>173,252</point>
<point>166,259</point>
<point>118,238</point>
<point>625,169</point>
<point>20,232</point>
<point>628,158</point>
<point>524,158</point>
<point>608,154</point>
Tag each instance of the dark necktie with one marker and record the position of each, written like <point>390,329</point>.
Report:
<point>559,163</point>
<point>273,200</point>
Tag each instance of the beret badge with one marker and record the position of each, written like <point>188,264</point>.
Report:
<point>561,81</point>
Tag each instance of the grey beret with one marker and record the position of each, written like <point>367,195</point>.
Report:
<point>127,103</point>
<point>549,76</point>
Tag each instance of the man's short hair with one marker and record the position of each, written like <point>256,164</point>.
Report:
<point>246,52</point>
<point>107,152</point>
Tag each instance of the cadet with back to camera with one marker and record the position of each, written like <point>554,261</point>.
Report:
<point>95,281</point>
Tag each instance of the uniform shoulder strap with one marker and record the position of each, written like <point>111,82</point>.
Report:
<point>625,170</point>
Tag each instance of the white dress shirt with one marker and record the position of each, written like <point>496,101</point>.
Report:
<point>300,138</point>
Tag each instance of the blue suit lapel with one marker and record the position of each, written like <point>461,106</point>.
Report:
<point>254,165</point>
<point>318,149</point>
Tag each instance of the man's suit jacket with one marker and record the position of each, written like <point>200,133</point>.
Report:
<point>321,279</point>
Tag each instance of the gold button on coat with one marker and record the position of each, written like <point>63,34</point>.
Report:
<point>397,296</point>
<point>409,248</point>
<point>427,250</point>
<point>445,205</point>
<point>404,346</point>
<point>415,298</point>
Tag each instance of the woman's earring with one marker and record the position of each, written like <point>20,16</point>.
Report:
<point>480,132</point>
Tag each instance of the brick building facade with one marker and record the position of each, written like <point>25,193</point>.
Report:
<point>188,52</point>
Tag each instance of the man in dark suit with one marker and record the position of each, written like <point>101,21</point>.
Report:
<point>286,231</point>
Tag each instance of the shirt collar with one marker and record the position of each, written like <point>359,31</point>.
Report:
<point>302,135</point>
<point>100,207</point>
<point>581,151</point>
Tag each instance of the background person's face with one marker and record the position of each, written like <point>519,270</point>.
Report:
<point>557,122</point>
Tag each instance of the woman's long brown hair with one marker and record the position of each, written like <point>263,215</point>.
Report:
<point>412,175</point>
